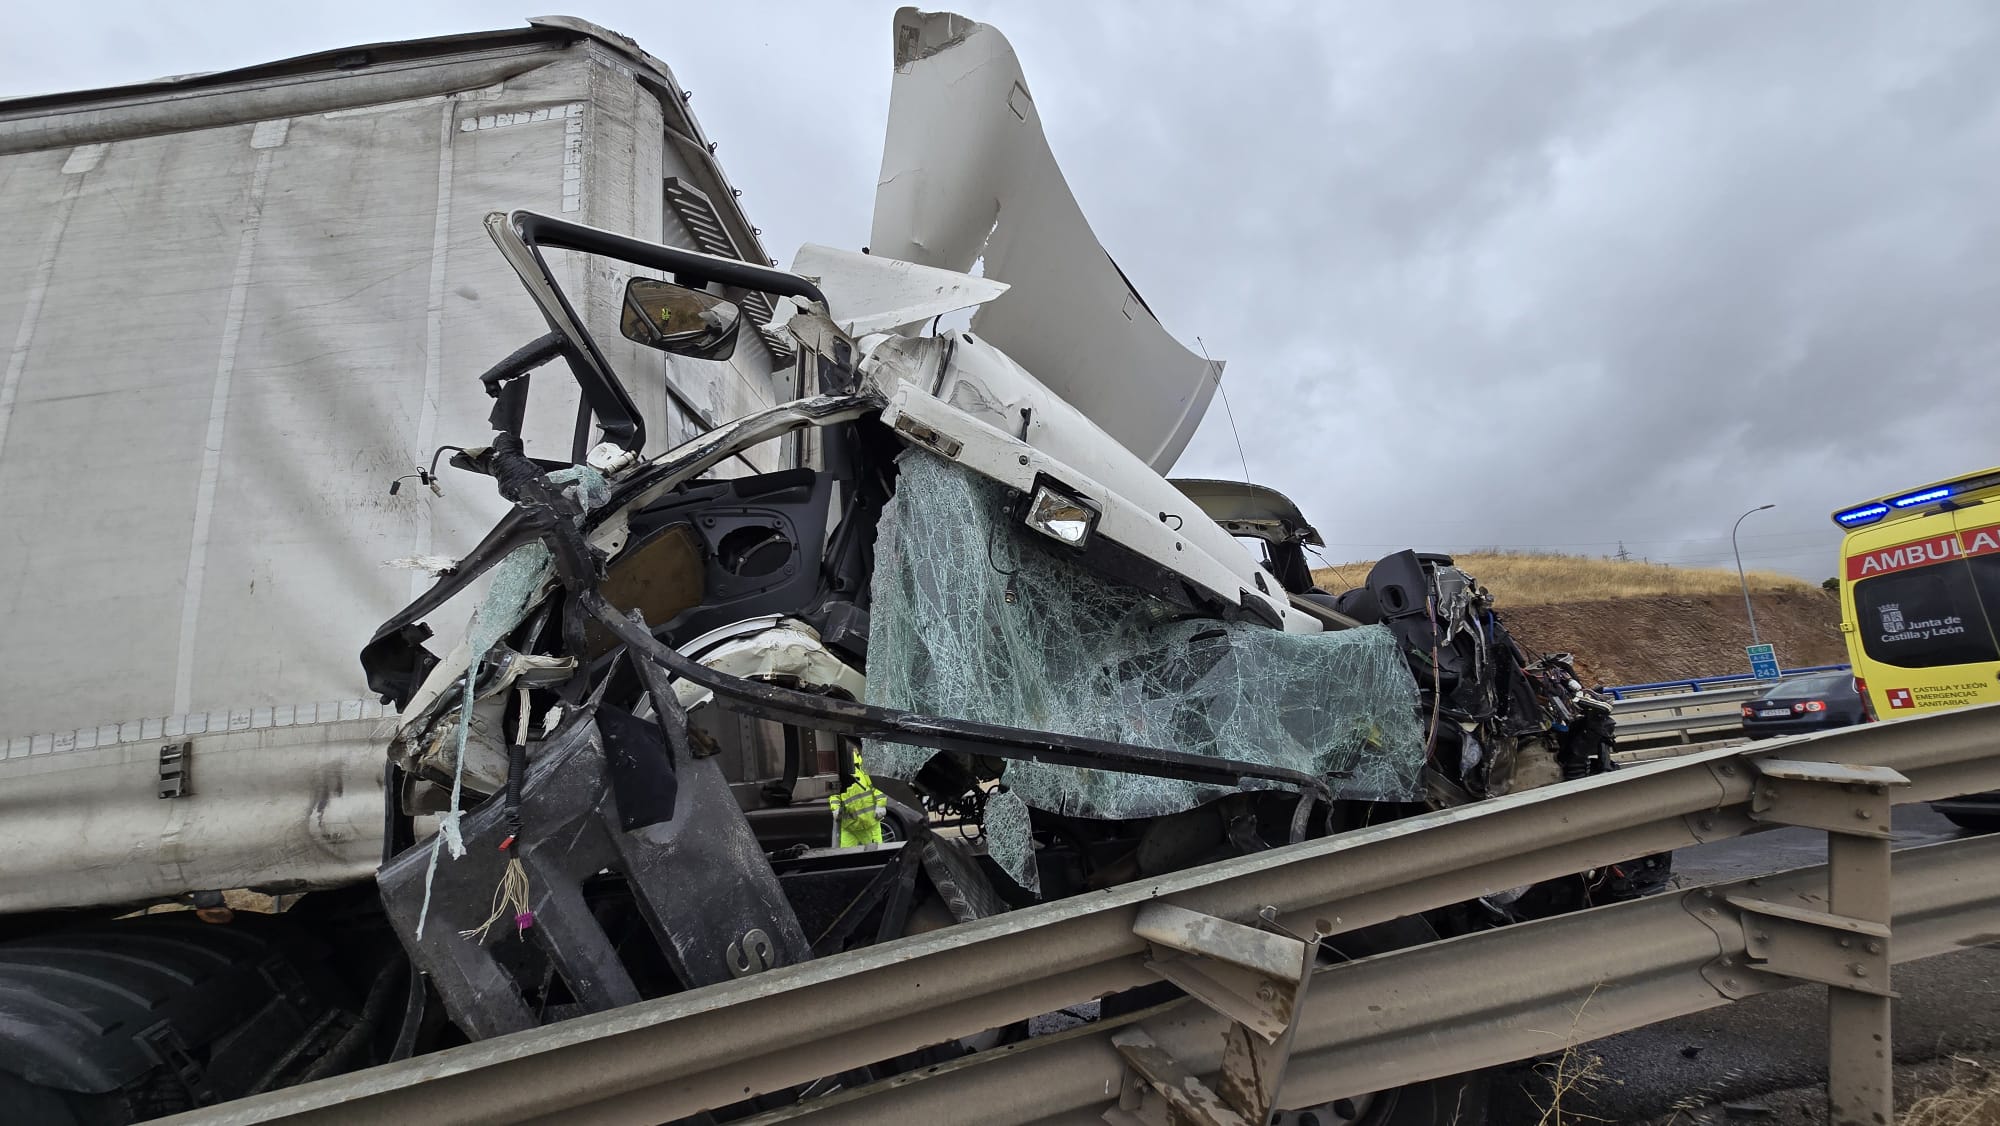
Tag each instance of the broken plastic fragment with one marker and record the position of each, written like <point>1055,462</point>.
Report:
<point>790,649</point>
<point>517,580</point>
<point>609,457</point>
<point>454,839</point>
<point>584,485</point>
<point>429,564</point>
<point>1008,841</point>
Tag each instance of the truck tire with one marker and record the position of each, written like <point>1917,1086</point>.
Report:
<point>136,1018</point>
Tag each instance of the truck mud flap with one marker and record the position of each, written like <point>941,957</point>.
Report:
<point>699,879</point>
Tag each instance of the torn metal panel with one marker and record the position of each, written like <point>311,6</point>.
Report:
<point>702,883</point>
<point>394,646</point>
<point>790,650</point>
<point>437,753</point>
<point>967,176</point>
<point>1004,424</point>
<point>1250,510</point>
<point>544,515</point>
<point>870,293</point>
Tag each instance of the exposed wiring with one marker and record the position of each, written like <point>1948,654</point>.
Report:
<point>1437,682</point>
<point>1332,566</point>
<point>438,453</point>
<point>428,477</point>
<point>1226,410</point>
<point>1011,594</point>
<point>991,562</point>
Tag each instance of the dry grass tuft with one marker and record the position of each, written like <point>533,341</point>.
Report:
<point>1533,579</point>
<point>1973,1099</point>
<point>1574,1076</point>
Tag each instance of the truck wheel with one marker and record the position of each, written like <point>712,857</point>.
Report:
<point>136,1018</point>
<point>40,1106</point>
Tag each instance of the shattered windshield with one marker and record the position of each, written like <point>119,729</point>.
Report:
<point>975,617</point>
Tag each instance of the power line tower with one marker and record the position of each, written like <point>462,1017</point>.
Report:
<point>1623,555</point>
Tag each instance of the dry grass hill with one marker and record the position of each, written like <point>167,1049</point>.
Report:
<point>1523,579</point>
<point>1630,622</point>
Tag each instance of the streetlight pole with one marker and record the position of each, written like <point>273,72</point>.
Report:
<point>1747,609</point>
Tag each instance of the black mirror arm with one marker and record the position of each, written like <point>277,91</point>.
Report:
<point>521,236</point>
<point>521,361</point>
<point>687,266</point>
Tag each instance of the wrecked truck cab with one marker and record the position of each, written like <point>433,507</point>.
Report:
<point>901,393</point>
<point>1030,648</point>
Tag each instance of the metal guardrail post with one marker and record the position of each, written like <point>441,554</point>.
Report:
<point>1847,947</point>
<point>1255,977</point>
<point>1859,1079</point>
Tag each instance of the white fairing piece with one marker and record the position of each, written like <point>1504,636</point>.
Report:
<point>967,175</point>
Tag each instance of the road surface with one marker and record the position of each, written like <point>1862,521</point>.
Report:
<point>1778,1040</point>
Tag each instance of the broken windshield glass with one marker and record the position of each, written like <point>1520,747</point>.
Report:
<point>977,618</point>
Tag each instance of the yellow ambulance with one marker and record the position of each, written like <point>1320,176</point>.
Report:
<point>1920,596</point>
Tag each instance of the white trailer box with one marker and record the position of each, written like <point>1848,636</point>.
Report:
<point>234,309</point>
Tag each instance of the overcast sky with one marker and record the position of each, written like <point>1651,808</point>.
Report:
<point>1520,276</point>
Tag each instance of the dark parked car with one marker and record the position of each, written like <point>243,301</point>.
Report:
<point>1805,705</point>
<point>1977,812</point>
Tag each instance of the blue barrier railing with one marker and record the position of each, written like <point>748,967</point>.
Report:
<point>1701,683</point>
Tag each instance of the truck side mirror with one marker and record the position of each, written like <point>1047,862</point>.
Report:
<point>680,320</point>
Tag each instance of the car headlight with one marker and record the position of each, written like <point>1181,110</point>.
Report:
<point>1061,516</point>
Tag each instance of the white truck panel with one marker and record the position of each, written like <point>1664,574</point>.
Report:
<point>277,807</point>
<point>222,344</point>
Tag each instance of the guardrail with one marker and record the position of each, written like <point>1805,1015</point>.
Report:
<point>1702,683</point>
<point>1419,1013</point>
<point>1640,704</point>
<point>1645,718</point>
<point>1716,714</point>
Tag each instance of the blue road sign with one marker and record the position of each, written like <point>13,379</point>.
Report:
<point>1763,660</point>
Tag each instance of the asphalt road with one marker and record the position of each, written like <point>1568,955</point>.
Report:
<point>1778,1040</point>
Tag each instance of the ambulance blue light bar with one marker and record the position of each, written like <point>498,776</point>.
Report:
<point>1865,514</point>
<point>1908,500</point>
<point>1970,489</point>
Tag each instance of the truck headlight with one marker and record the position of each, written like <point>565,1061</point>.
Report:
<point>1061,516</point>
